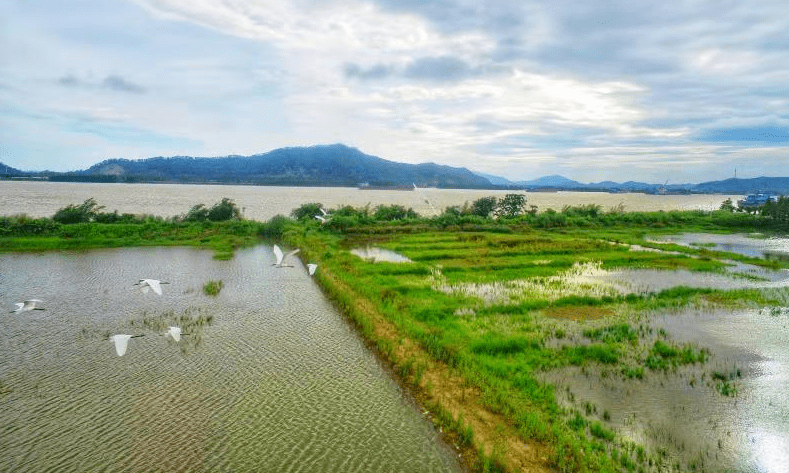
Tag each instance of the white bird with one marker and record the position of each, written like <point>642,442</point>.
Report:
<point>30,304</point>
<point>311,267</point>
<point>323,218</point>
<point>174,332</point>
<point>154,284</point>
<point>121,342</point>
<point>281,258</point>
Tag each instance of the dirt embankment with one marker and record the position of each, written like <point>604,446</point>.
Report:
<point>441,392</point>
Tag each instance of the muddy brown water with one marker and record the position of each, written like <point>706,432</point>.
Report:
<point>277,381</point>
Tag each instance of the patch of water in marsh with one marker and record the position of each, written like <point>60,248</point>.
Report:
<point>276,382</point>
<point>375,254</point>
<point>748,245</point>
<point>683,412</point>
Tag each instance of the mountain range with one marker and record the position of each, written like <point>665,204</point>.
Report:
<point>340,165</point>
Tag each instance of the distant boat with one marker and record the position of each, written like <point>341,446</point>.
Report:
<point>755,200</point>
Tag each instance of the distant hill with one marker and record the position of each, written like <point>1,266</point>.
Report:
<point>773,185</point>
<point>326,165</point>
<point>340,165</point>
<point>554,181</point>
<point>6,170</point>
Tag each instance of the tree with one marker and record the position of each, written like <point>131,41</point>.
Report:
<point>778,210</point>
<point>727,205</point>
<point>85,212</point>
<point>511,205</point>
<point>393,212</point>
<point>226,209</point>
<point>306,211</point>
<point>484,206</point>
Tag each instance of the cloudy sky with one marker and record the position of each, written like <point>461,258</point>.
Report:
<point>619,90</point>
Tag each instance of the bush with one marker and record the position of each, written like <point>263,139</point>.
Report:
<point>306,211</point>
<point>223,210</point>
<point>226,209</point>
<point>86,212</point>
<point>393,212</point>
<point>511,205</point>
<point>484,206</point>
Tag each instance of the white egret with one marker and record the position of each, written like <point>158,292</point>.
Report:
<point>311,267</point>
<point>154,284</point>
<point>175,332</point>
<point>281,258</point>
<point>323,218</point>
<point>30,304</point>
<point>121,341</point>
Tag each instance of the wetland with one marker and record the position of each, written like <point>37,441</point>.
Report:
<point>577,340</point>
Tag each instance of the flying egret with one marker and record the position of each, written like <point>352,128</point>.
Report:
<point>175,332</point>
<point>121,341</point>
<point>311,267</point>
<point>281,258</point>
<point>323,218</point>
<point>154,284</point>
<point>30,304</point>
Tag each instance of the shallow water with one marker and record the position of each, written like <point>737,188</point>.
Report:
<point>276,381</point>
<point>748,245</point>
<point>374,254</point>
<point>683,412</point>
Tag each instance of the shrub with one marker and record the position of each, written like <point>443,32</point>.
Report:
<point>511,205</point>
<point>226,209</point>
<point>393,212</point>
<point>306,211</point>
<point>86,212</point>
<point>484,206</point>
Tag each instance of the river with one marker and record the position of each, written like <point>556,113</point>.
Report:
<point>43,199</point>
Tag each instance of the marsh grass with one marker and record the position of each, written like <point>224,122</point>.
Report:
<point>499,308</point>
<point>212,288</point>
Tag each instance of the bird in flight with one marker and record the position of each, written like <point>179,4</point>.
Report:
<point>30,304</point>
<point>155,284</point>
<point>282,257</point>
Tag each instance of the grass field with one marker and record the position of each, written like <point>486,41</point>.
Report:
<point>477,315</point>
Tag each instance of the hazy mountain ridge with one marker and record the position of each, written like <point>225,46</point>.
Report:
<point>341,165</point>
<point>325,165</point>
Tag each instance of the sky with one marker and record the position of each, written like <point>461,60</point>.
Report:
<point>649,91</point>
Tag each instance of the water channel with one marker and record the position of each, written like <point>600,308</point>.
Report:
<point>269,377</point>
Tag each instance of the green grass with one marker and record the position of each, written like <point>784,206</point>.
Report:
<point>212,288</point>
<point>500,344</point>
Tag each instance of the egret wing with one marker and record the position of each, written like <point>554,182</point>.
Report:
<point>278,254</point>
<point>155,285</point>
<point>121,342</point>
<point>175,332</point>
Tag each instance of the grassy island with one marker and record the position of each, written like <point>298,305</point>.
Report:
<point>493,297</point>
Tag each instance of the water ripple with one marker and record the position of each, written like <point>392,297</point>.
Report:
<point>275,382</point>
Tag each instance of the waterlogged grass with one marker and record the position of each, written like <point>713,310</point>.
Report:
<point>498,308</point>
<point>212,288</point>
